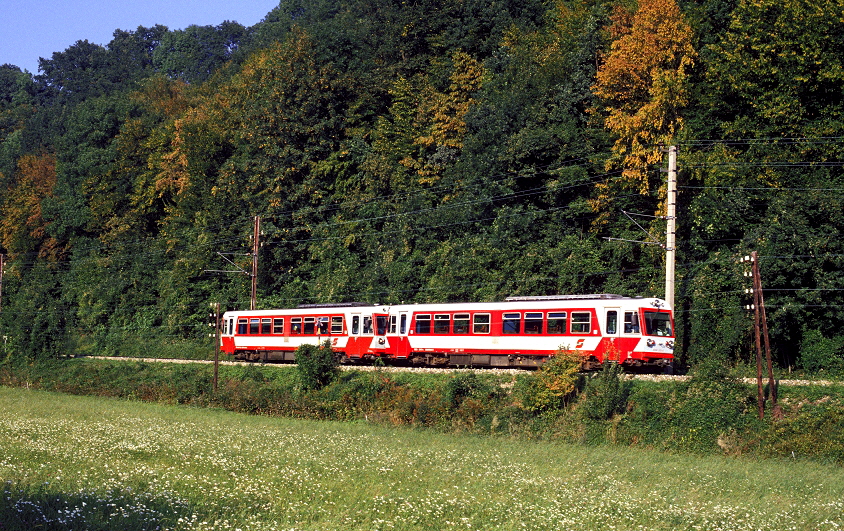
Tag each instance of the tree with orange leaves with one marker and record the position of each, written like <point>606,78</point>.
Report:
<point>22,227</point>
<point>643,85</point>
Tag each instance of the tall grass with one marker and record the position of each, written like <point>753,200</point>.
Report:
<point>71,462</point>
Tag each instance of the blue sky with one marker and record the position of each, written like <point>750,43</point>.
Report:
<point>37,28</point>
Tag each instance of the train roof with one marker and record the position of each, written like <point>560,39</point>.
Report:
<point>528,302</point>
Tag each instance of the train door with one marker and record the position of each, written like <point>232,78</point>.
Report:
<point>379,324</point>
<point>610,333</point>
<point>357,344</point>
<point>397,335</point>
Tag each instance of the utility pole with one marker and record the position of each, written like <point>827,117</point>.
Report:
<point>214,320</point>
<point>671,226</point>
<point>256,235</point>
<point>760,332</point>
<point>2,264</point>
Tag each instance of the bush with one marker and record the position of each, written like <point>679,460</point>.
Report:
<point>820,353</point>
<point>606,394</point>
<point>317,366</point>
<point>554,384</point>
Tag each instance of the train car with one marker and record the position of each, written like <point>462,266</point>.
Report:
<point>517,332</point>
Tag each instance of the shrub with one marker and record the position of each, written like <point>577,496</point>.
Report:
<point>820,353</point>
<point>554,384</point>
<point>317,366</point>
<point>606,394</point>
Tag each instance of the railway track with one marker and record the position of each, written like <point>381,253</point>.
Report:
<point>434,370</point>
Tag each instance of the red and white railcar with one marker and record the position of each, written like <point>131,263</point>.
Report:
<point>518,332</point>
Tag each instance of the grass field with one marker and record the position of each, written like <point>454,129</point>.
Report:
<point>70,462</point>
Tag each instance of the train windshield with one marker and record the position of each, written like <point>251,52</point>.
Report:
<point>657,323</point>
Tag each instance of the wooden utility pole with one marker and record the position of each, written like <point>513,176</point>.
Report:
<point>760,332</point>
<point>214,320</point>
<point>256,235</point>
<point>763,318</point>
<point>671,226</point>
<point>2,264</point>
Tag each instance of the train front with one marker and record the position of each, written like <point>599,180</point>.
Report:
<point>656,346</point>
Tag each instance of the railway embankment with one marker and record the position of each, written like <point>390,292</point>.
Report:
<point>705,412</point>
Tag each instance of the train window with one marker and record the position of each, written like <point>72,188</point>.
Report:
<point>355,324</point>
<point>337,325</point>
<point>423,323</point>
<point>241,326</point>
<point>480,323</point>
<point>380,325</point>
<point>393,324</point>
<point>367,324</point>
<point>225,327</point>
<point>581,322</point>
<point>533,323</point>
<point>442,323</point>
<point>556,323</point>
<point>657,323</point>
<point>278,325</point>
<point>254,325</point>
<point>322,325</point>
<point>512,323</point>
<point>296,325</point>
<point>612,322</point>
<point>403,324</point>
<point>461,323</point>
<point>266,325</point>
<point>631,322</point>
<point>309,325</point>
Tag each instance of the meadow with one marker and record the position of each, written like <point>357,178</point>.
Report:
<point>88,463</point>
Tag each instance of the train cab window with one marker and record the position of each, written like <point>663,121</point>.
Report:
<point>423,323</point>
<point>533,323</point>
<point>278,325</point>
<point>296,325</point>
<point>254,325</point>
<point>556,323</point>
<point>355,324</point>
<point>337,325</point>
<point>310,323</point>
<point>442,323</point>
<point>367,324</point>
<point>512,323</point>
<point>612,322</point>
<point>480,323</point>
<point>461,323</point>
<point>266,325</point>
<point>631,323</point>
<point>393,324</point>
<point>322,325</point>
<point>657,323</point>
<point>241,326</point>
<point>581,322</point>
<point>403,324</point>
<point>381,324</point>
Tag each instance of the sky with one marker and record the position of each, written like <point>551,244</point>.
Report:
<point>37,28</point>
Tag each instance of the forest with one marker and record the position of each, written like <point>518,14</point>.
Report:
<point>448,150</point>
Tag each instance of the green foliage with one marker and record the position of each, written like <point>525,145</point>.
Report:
<point>428,151</point>
<point>554,384</point>
<point>317,365</point>
<point>605,394</point>
<point>818,353</point>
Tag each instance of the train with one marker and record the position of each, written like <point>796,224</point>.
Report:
<point>519,332</point>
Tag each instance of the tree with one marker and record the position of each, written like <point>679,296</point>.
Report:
<point>643,84</point>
